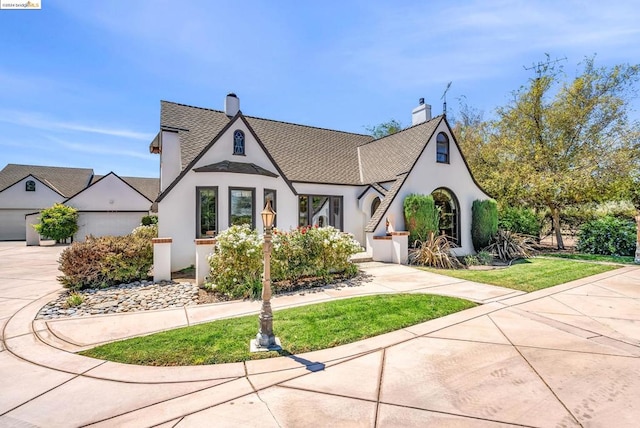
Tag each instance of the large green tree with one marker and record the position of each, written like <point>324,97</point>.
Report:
<point>384,129</point>
<point>558,142</point>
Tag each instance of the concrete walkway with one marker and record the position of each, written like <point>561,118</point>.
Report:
<point>565,356</point>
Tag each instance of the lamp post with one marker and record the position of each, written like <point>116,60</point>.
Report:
<point>265,339</point>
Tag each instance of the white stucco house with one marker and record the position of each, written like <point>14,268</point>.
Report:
<point>218,168</point>
<point>107,205</point>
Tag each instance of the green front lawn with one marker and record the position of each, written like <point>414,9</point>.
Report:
<point>530,274</point>
<point>593,257</point>
<point>301,329</point>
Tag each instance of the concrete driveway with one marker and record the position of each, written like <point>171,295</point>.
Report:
<point>565,356</point>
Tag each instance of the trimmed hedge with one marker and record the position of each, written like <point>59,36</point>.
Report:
<point>607,236</point>
<point>421,217</point>
<point>484,222</point>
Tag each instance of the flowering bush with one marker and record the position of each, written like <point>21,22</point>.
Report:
<point>147,232</point>
<point>236,264</point>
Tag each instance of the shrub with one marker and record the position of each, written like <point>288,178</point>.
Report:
<point>74,299</point>
<point>435,251</point>
<point>148,220</point>
<point>523,221</point>
<point>146,232</point>
<point>421,216</point>
<point>58,222</point>
<point>484,222</point>
<point>106,261</point>
<point>236,264</point>
<point>484,257</point>
<point>507,245</point>
<point>607,236</point>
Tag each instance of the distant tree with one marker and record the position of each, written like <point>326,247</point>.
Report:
<point>557,143</point>
<point>58,222</point>
<point>384,129</point>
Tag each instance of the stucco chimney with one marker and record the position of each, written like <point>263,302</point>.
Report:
<point>421,114</point>
<point>231,104</point>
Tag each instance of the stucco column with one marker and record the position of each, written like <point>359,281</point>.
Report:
<point>400,251</point>
<point>33,238</point>
<point>161,259</point>
<point>204,247</point>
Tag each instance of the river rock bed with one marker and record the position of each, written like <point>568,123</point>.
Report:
<point>134,297</point>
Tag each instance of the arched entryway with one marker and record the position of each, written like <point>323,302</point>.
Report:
<point>449,213</point>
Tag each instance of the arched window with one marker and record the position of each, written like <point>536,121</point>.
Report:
<point>374,205</point>
<point>238,142</point>
<point>30,186</point>
<point>442,148</point>
<point>449,214</point>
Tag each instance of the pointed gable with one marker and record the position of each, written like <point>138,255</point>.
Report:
<point>384,159</point>
<point>65,181</point>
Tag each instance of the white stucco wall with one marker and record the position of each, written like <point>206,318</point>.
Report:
<point>17,197</point>
<point>429,175</point>
<point>109,194</point>
<point>177,210</point>
<point>15,202</point>
<point>170,161</point>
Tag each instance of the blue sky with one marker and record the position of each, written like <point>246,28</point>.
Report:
<point>81,81</point>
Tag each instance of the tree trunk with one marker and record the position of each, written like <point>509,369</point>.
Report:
<point>637,258</point>
<point>555,212</point>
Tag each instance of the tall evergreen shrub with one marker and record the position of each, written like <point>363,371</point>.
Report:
<point>484,222</point>
<point>421,217</point>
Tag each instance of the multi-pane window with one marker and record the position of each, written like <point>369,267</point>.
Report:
<point>449,215</point>
<point>270,195</point>
<point>241,206</point>
<point>238,142</point>
<point>317,210</point>
<point>30,186</point>
<point>442,148</point>
<point>206,211</point>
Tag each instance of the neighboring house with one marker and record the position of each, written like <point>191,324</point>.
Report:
<point>217,168</point>
<point>113,205</point>
<point>107,205</point>
<point>26,189</point>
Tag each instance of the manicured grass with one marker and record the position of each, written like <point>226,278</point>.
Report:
<point>593,257</point>
<point>301,329</point>
<point>531,274</point>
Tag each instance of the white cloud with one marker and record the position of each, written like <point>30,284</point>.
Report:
<point>101,149</point>
<point>413,45</point>
<point>39,121</point>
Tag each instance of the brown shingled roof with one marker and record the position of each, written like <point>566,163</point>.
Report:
<point>386,203</point>
<point>303,153</point>
<point>66,181</point>
<point>384,159</point>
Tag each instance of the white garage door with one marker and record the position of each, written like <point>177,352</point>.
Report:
<point>106,223</point>
<point>12,225</point>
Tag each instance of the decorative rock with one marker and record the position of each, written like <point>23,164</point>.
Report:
<point>137,296</point>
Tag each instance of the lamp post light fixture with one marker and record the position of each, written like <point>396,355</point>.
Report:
<point>265,339</point>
